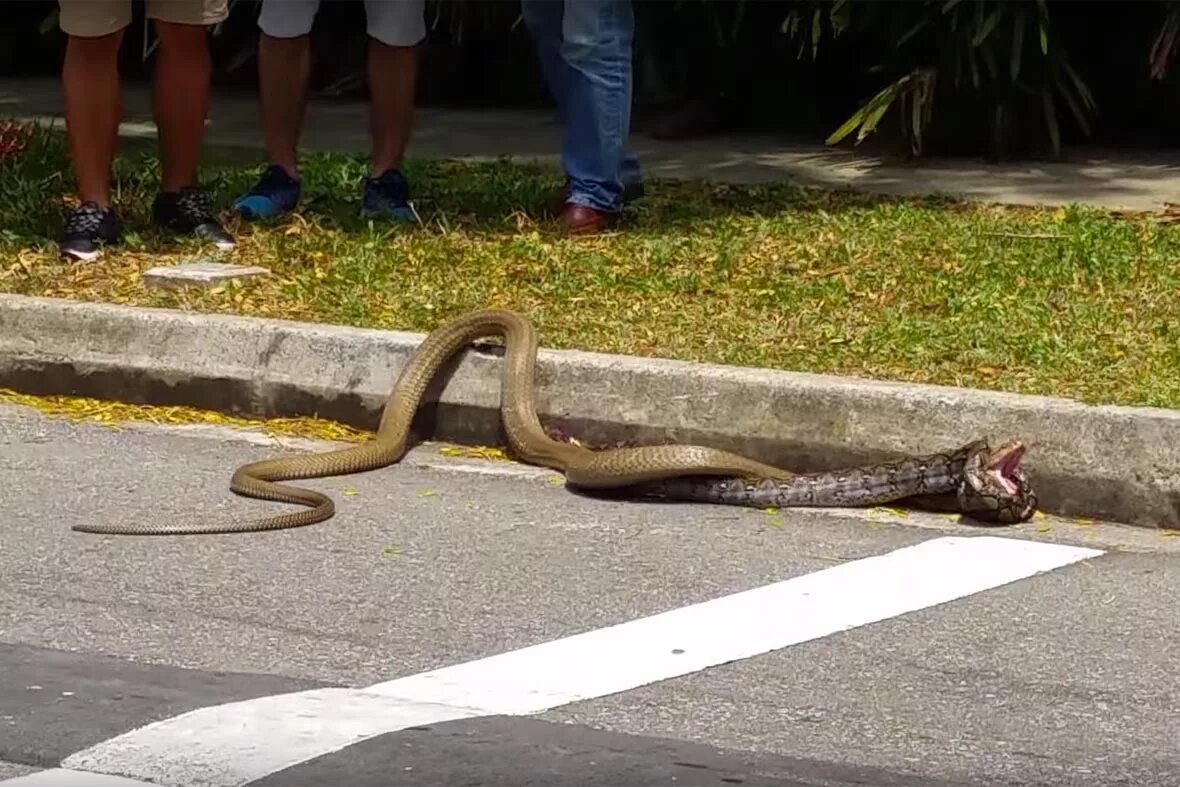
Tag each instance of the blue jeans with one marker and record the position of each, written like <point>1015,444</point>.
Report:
<point>585,51</point>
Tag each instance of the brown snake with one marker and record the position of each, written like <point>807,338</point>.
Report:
<point>989,483</point>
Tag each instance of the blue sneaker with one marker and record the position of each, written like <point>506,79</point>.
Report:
<point>275,193</point>
<point>387,196</point>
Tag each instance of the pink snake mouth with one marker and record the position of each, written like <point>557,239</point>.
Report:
<point>1005,463</point>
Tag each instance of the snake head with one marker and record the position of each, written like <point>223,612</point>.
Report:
<point>995,488</point>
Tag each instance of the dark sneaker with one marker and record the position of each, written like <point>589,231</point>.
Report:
<point>387,196</point>
<point>87,228</point>
<point>190,211</point>
<point>275,193</point>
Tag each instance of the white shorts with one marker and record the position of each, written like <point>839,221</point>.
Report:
<point>392,22</point>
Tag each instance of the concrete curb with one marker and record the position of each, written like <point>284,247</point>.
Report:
<point>1114,463</point>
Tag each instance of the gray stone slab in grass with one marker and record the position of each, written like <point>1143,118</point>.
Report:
<point>199,273</point>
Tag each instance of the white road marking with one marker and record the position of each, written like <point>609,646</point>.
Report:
<point>236,743</point>
<point>500,469</point>
<point>64,777</point>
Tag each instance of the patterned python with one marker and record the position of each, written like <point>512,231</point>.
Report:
<point>988,484</point>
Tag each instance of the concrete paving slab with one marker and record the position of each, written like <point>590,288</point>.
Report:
<point>199,274</point>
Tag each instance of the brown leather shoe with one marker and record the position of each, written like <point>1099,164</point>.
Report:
<point>582,220</point>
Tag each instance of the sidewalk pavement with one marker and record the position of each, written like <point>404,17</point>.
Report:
<point>1126,180</point>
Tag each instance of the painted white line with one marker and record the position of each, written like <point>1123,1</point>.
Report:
<point>235,743</point>
<point>63,777</point>
<point>734,627</point>
<point>504,470</point>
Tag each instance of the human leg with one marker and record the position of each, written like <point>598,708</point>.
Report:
<point>284,69</point>
<point>597,47</point>
<point>584,49</point>
<point>90,89</point>
<point>395,31</point>
<point>180,101</point>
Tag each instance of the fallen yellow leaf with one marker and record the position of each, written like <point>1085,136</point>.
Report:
<point>887,510</point>
<point>473,452</point>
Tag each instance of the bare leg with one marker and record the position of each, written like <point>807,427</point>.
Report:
<point>393,77</point>
<point>180,100</point>
<point>90,87</point>
<point>284,67</point>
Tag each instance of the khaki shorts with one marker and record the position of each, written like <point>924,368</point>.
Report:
<point>93,18</point>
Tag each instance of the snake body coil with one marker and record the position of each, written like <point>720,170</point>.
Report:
<point>688,472</point>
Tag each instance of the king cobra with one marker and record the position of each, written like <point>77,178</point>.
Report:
<point>987,483</point>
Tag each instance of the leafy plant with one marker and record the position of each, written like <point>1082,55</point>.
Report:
<point>1005,54</point>
<point>1163,48</point>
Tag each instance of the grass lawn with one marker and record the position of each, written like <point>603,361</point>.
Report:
<point>1068,302</point>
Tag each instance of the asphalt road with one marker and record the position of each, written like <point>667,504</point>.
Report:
<point>1062,678</point>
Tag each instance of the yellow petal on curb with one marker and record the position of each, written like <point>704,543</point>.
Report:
<point>474,452</point>
<point>113,414</point>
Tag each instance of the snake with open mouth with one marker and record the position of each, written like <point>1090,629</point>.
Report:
<point>988,483</point>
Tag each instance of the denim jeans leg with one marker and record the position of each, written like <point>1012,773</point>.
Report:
<point>596,45</point>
